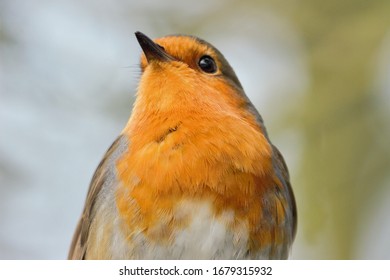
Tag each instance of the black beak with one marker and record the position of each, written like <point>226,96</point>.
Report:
<point>151,49</point>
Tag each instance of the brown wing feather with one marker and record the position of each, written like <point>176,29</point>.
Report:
<point>282,167</point>
<point>79,242</point>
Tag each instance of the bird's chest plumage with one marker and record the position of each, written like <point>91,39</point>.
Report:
<point>183,197</point>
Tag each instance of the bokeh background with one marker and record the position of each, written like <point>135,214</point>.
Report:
<point>318,72</point>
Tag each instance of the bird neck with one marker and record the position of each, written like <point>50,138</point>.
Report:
<point>208,142</point>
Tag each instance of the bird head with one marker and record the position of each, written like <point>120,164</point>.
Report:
<point>180,69</point>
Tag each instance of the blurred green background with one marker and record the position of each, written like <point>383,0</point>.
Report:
<point>318,72</point>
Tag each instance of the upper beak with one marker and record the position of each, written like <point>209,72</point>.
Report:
<point>151,49</point>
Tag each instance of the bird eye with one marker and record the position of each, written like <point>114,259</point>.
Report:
<point>207,64</point>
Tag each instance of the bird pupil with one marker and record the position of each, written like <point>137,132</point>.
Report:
<point>207,64</point>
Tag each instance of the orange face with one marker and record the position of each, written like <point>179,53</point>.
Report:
<point>185,49</point>
<point>182,81</point>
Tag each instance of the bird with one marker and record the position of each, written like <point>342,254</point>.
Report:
<point>193,174</point>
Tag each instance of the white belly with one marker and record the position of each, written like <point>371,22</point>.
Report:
<point>205,237</point>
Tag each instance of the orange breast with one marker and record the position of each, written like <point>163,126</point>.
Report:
<point>182,159</point>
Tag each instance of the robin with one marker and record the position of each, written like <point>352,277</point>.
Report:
<point>193,175</point>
